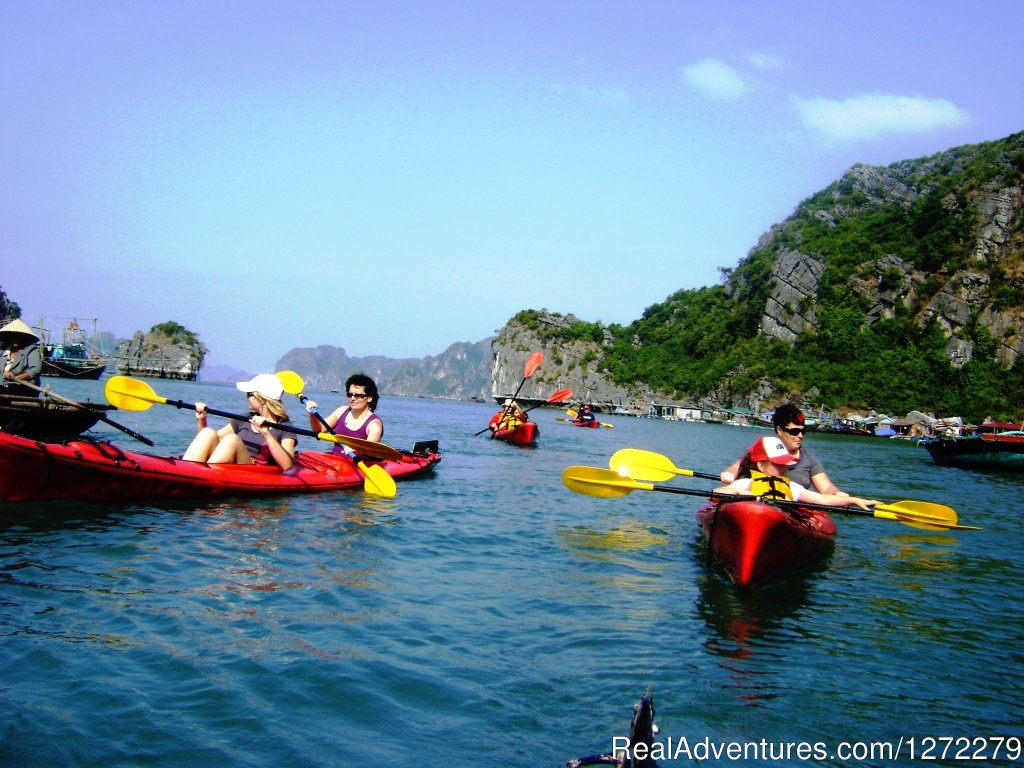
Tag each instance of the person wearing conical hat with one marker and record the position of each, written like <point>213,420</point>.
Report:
<point>22,360</point>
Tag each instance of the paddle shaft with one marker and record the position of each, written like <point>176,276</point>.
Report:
<point>315,412</point>
<point>239,417</point>
<point>102,416</point>
<point>740,497</point>
<point>649,466</point>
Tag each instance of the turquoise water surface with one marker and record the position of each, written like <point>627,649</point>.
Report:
<point>489,616</point>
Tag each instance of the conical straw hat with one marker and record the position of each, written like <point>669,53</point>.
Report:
<point>16,327</point>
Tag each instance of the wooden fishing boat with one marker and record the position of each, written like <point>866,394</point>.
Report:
<point>993,450</point>
<point>42,418</point>
<point>754,540</point>
<point>90,470</point>
<point>73,357</point>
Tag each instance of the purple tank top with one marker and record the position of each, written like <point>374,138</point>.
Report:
<point>341,429</point>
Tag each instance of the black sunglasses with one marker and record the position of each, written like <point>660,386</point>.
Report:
<point>793,430</point>
<point>355,395</point>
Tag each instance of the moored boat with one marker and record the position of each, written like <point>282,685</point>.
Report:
<point>754,540</point>
<point>42,418</point>
<point>991,450</point>
<point>88,470</point>
<point>73,357</point>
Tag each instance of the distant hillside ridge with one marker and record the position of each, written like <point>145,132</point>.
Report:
<point>461,372</point>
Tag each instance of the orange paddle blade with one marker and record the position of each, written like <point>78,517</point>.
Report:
<point>560,396</point>
<point>532,364</point>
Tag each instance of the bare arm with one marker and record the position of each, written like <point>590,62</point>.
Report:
<point>835,500</point>
<point>729,473</point>
<point>374,431</point>
<point>823,484</point>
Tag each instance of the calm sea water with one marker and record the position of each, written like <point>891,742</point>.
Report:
<point>489,616</point>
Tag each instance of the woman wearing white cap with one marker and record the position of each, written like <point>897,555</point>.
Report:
<point>762,473</point>
<point>252,441</point>
<point>22,360</point>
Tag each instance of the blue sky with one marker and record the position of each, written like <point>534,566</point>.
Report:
<point>392,177</point>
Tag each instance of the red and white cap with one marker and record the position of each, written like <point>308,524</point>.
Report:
<point>771,449</point>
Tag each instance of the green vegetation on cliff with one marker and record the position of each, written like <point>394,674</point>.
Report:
<point>171,333</point>
<point>895,238</point>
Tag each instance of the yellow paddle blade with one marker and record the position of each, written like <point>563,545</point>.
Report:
<point>130,394</point>
<point>922,509</point>
<point>376,481</point>
<point>291,381</point>
<point>572,413</point>
<point>602,483</point>
<point>645,465</point>
<point>924,523</point>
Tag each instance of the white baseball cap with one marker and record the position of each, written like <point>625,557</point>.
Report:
<point>266,384</point>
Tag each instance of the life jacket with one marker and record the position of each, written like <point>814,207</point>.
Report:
<point>503,421</point>
<point>770,486</point>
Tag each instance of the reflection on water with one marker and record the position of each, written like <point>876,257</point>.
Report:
<point>604,544</point>
<point>747,629</point>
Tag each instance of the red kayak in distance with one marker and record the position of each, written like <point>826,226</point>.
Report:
<point>593,423</point>
<point>90,470</point>
<point>754,541</point>
<point>525,433</point>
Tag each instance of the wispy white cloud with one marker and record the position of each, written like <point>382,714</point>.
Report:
<point>716,80</point>
<point>870,116</point>
<point>765,61</point>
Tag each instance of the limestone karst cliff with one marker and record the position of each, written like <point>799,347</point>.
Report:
<point>898,287</point>
<point>460,372</point>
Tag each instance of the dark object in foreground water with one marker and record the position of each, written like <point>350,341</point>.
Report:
<point>641,731</point>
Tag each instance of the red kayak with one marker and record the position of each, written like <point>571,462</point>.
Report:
<point>754,540</point>
<point>88,470</point>
<point>525,433</point>
<point>593,423</point>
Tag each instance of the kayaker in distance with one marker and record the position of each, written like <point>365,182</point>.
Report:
<point>585,414</point>
<point>809,472</point>
<point>252,441</point>
<point>22,360</point>
<point>510,416</point>
<point>762,473</point>
<point>358,418</point>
